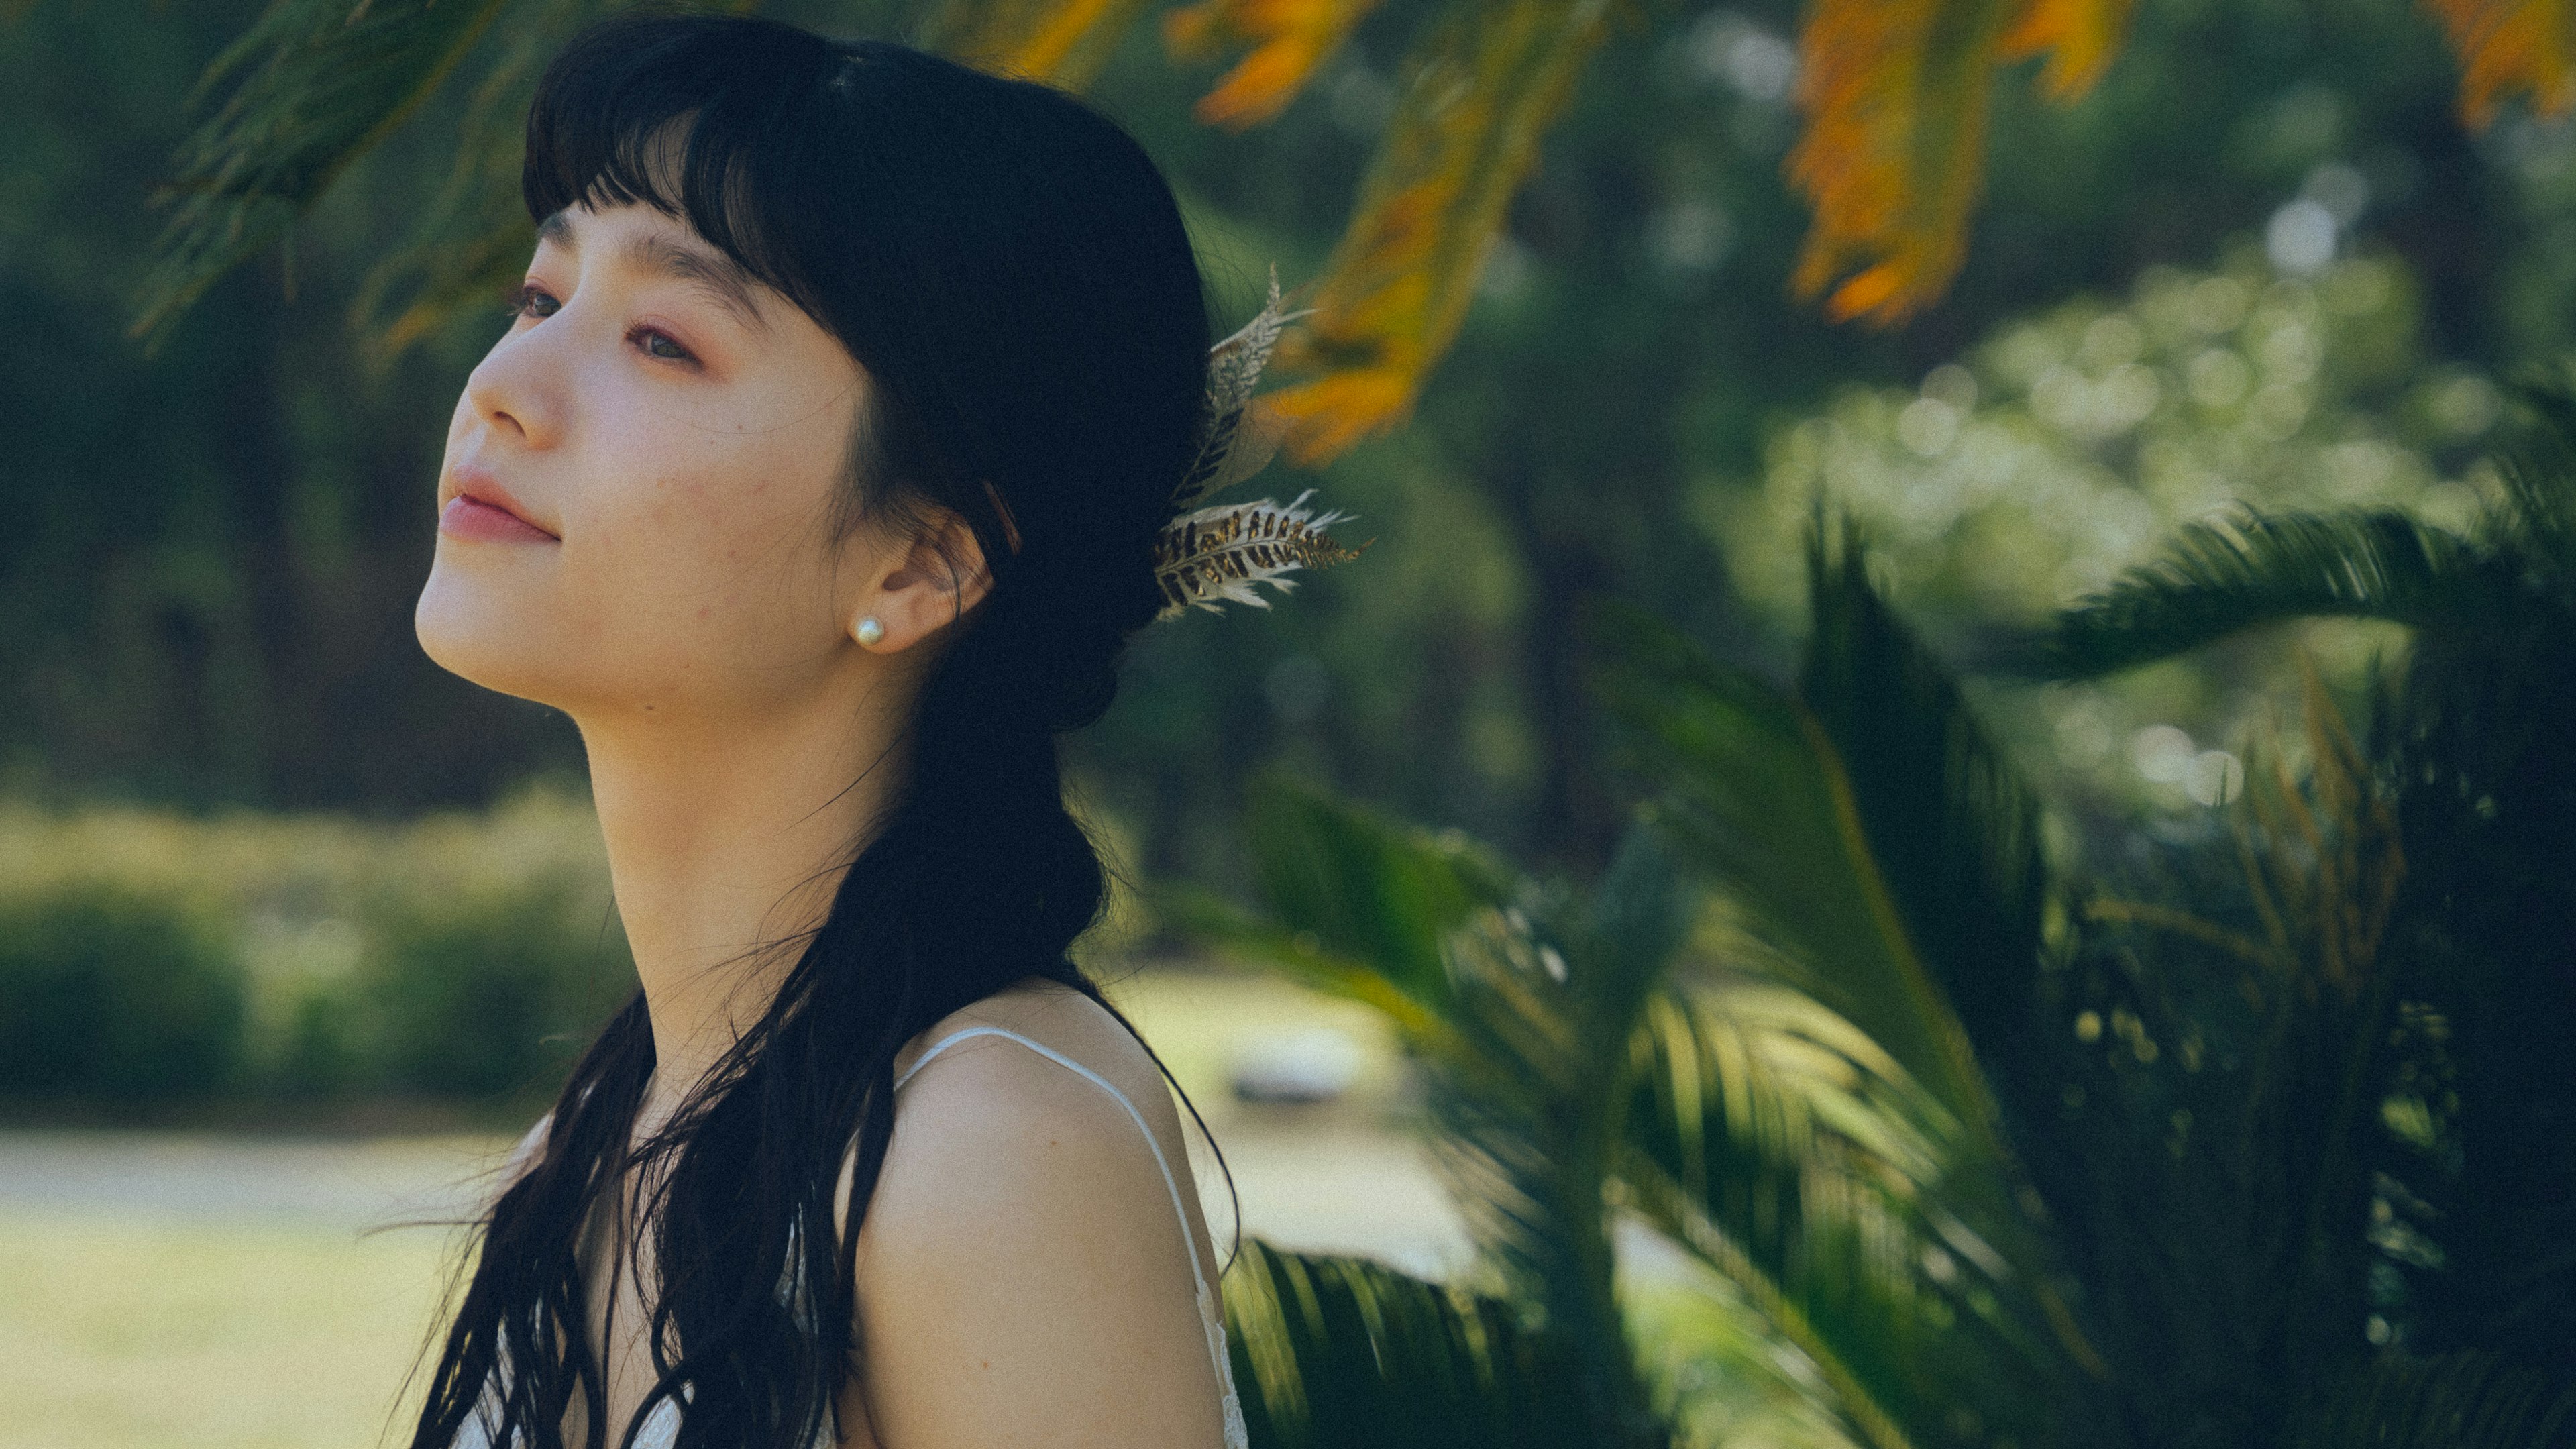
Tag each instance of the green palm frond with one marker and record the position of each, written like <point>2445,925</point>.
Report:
<point>314,83</point>
<point>1367,888</point>
<point>2261,568</point>
<point>1952,828</point>
<point>1343,1353</point>
<point>2452,1401</point>
<point>474,236</point>
<point>1771,1140</point>
<point>1754,791</point>
<point>1515,1000</point>
<point>1873,837</point>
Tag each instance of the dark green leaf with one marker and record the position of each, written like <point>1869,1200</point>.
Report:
<point>1365,887</point>
<point>320,81</point>
<point>2454,1401</point>
<point>2261,568</point>
<point>1343,1353</point>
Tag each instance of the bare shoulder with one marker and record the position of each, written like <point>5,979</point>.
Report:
<point>1023,1277</point>
<point>1053,1016</point>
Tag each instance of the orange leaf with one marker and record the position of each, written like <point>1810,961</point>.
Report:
<point>2507,46</point>
<point>1334,412</point>
<point>1478,92</point>
<point>1063,42</point>
<point>1287,40</point>
<point>2077,36</point>
<point>1893,155</point>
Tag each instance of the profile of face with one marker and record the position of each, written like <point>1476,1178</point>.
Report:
<point>635,502</point>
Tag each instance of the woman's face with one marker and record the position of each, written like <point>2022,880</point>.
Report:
<point>670,436</point>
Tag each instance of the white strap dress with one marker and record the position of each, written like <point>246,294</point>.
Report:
<point>661,1427</point>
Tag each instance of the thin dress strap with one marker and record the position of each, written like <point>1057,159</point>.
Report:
<point>1209,1315</point>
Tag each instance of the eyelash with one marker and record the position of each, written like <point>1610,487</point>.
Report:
<point>524,297</point>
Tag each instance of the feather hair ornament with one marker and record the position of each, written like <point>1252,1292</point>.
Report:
<point>1222,552</point>
<point>1218,553</point>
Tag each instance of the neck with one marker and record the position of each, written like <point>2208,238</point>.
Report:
<point>724,838</point>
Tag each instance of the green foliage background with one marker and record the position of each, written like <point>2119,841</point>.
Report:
<point>204,598</point>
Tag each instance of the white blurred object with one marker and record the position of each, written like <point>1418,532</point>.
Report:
<point>1315,1065</point>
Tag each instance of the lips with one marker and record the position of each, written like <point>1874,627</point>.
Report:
<point>480,508</point>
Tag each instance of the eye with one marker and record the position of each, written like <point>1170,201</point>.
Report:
<point>660,344</point>
<point>531,300</point>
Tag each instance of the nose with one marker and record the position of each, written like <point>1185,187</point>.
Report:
<point>516,387</point>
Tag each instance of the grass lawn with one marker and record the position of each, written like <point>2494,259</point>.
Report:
<point>156,1334</point>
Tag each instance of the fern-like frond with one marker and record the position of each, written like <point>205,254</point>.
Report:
<point>1753,789</point>
<point>1893,155</point>
<point>2465,1400</point>
<point>474,236</point>
<point>1366,887</point>
<point>1848,1393</point>
<point>1478,92</point>
<point>1221,553</point>
<point>314,83</point>
<point>1874,838</point>
<point>2259,568</point>
<point>1285,41</point>
<point>2510,47</point>
<point>1061,42</point>
<point>1342,1353</point>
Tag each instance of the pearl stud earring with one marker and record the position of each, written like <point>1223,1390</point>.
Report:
<point>870,629</point>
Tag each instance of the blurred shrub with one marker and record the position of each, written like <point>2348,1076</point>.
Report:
<point>482,995</point>
<point>151,955</point>
<point>109,991</point>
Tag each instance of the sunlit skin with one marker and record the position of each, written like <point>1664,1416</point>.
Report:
<point>664,440</point>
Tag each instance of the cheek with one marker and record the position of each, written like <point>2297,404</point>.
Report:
<point>701,556</point>
<point>692,575</point>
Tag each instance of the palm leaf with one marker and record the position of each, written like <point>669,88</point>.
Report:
<point>1777,1144</point>
<point>1516,1001</point>
<point>1285,39</point>
<point>1875,840</point>
<point>1478,92</point>
<point>1950,824</point>
<point>2214,581</point>
<point>1061,42</point>
<point>315,83</point>
<point>1755,791</point>
<point>2508,47</point>
<point>1367,888</point>
<point>474,237</point>
<point>1895,95</point>
<point>1342,1353</point>
<point>2451,1401</point>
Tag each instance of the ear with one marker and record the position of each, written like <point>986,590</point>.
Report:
<point>924,585</point>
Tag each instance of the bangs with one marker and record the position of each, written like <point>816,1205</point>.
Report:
<point>707,135</point>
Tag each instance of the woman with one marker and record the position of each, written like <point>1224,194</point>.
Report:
<point>824,470</point>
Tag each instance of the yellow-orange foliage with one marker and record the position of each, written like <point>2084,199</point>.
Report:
<point>2511,45</point>
<point>1895,95</point>
<point>1064,42</point>
<point>1477,94</point>
<point>1288,39</point>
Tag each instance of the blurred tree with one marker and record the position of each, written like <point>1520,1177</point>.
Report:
<point>208,573</point>
<point>1630,345</point>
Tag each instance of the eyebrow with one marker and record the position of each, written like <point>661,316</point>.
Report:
<point>712,274</point>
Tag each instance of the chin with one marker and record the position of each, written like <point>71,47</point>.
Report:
<point>470,628</point>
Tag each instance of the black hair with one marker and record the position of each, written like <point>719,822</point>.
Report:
<point>1012,275</point>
